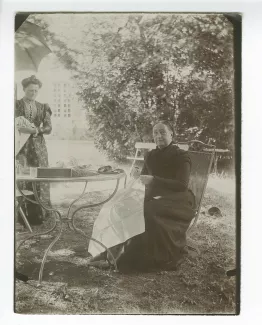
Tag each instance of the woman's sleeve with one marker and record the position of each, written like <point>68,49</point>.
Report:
<point>180,182</point>
<point>47,124</point>
<point>18,109</point>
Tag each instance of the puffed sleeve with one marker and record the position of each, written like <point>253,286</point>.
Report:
<point>19,110</point>
<point>47,124</point>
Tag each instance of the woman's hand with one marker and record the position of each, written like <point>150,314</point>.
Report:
<point>146,179</point>
<point>39,131</point>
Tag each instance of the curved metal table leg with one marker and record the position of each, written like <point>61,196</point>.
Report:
<point>48,250</point>
<point>43,233</point>
<point>35,235</point>
<point>60,231</point>
<point>70,206</point>
<point>55,239</point>
<point>89,237</point>
<point>98,242</point>
<point>76,200</point>
<point>36,202</point>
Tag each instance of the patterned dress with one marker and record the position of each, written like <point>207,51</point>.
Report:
<point>34,152</point>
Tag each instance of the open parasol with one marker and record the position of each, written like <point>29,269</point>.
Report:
<point>30,47</point>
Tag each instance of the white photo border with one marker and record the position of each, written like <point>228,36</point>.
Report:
<point>251,154</point>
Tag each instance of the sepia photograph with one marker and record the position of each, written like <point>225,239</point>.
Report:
<point>127,163</point>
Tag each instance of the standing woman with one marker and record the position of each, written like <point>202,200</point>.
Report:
<point>34,152</point>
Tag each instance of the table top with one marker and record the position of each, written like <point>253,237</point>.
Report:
<point>93,178</point>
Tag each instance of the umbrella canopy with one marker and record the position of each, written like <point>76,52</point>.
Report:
<point>20,18</point>
<point>30,47</point>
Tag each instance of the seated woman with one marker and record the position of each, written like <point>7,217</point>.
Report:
<point>168,207</point>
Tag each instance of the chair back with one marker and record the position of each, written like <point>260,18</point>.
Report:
<point>201,163</point>
<point>200,170</point>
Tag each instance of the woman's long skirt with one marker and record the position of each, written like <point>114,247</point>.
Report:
<point>166,222</point>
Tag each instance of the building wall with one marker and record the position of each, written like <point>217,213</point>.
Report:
<point>69,120</point>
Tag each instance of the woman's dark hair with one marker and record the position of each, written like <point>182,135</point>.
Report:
<point>31,80</point>
<point>167,124</point>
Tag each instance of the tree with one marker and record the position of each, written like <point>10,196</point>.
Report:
<point>171,66</point>
<point>145,67</point>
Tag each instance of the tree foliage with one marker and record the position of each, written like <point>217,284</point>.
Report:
<point>177,67</point>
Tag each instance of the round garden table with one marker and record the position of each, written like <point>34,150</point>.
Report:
<point>67,219</point>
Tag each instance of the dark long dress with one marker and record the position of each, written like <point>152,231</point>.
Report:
<point>166,218</point>
<point>34,153</point>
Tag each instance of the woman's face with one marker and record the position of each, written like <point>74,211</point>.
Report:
<point>31,91</point>
<point>162,135</point>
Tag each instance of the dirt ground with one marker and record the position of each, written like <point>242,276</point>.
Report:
<point>199,286</point>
